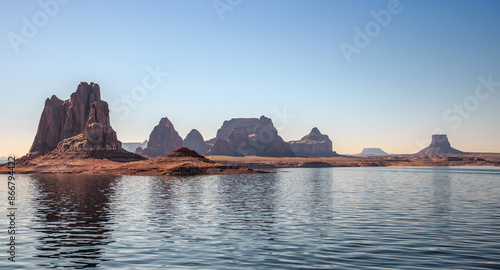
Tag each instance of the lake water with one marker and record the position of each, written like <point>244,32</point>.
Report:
<point>342,218</point>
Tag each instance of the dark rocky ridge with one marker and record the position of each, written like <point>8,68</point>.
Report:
<point>314,144</point>
<point>440,146</point>
<point>79,124</point>
<point>162,140</point>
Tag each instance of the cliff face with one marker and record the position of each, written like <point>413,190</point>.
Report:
<point>194,141</point>
<point>440,146</point>
<point>226,128</point>
<point>162,140</point>
<point>80,123</point>
<point>314,144</point>
<point>249,137</point>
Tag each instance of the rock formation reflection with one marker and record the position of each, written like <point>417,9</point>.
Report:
<point>73,217</point>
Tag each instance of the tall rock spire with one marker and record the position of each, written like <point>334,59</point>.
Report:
<point>80,123</point>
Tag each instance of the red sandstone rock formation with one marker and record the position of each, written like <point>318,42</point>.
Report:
<point>314,144</point>
<point>194,141</point>
<point>249,137</point>
<point>162,140</point>
<point>440,146</point>
<point>80,123</point>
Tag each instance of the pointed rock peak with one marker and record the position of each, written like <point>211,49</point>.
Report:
<point>194,132</point>
<point>162,140</point>
<point>315,131</point>
<point>165,122</point>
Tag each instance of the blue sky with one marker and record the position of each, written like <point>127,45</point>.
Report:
<point>259,57</point>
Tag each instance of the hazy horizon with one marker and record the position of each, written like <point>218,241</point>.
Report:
<point>384,74</point>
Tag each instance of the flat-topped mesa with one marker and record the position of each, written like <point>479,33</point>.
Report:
<point>373,152</point>
<point>194,140</point>
<point>314,144</point>
<point>162,141</point>
<point>440,146</point>
<point>249,137</point>
<point>80,123</point>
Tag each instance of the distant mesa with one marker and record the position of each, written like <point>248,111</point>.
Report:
<point>194,140</point>
<point>313,144</point>
<point>162,141</point>
<point>79,124</point>
<point>440,146</point>
<point>249,137</point>
<point>372,152</point>
<point>3,160</point>
<point>132,146</point>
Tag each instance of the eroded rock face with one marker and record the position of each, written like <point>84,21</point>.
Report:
<point>163,140</point>
<point>221,148</point>
<point>249,137</point>
<point>314,144</point>
<point>229,125</point>
<point>194,140</point>
<point>440,146</point>
<point>80,123</point>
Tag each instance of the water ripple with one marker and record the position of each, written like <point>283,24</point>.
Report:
<point>345,218</point>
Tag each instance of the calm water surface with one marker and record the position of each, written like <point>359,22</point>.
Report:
<point>341,218</point>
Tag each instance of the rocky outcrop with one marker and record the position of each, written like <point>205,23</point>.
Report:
<point>194,140</point>
<point>186,152</point>
<point>80,123</point>
<point>162,140</point>
<point>440,146</point>
<point>372,152</point>
<point>249,137</point>
<point>314,144</point>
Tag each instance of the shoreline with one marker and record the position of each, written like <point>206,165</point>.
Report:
<point>223,165</point>
<point>353,161</point>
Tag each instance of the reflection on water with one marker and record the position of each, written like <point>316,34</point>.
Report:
<point>348,218</point>
<point>73,218</point>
